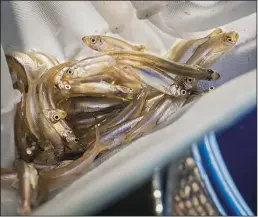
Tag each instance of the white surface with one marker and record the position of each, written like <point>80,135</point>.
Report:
<point>56,27</point>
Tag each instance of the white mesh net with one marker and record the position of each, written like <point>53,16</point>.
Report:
<point>56,28</point>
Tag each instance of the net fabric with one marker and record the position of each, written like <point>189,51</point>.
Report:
<point>56,27</point>
<point>9,98</point>
<point>190,19</point>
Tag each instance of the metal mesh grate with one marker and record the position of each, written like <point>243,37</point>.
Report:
<point>190,197</point>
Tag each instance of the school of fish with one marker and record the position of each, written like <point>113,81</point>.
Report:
<point>71,112</point>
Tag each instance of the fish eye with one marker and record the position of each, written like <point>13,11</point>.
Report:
<point>93,40</point>
<point>189,80</point>
<point>183,92</point>
<point>56,117</point>
<point>211,88</point>
<point>29,151</point>
<point>69,72</point>
<point>67,87</point>
<point>229,39</point>
<point>76,140</point>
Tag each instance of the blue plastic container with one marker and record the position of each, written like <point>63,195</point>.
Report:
<point>228,160</point>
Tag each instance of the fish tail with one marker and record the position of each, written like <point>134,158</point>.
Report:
<point>215,76</point>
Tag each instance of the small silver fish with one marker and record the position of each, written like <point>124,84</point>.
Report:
<point>149,121</point>
<point>103,43</point>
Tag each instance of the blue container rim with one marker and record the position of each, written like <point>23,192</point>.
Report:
<point>205,179</point>
<point>211,155</point>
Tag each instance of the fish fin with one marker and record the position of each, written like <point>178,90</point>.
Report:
<point>40,70</point>
<point>198,44</point>
<point>215,32</point>
<point>24,210</point>
<point>33,176</point>
<point>101,147</point>
<point>142,48</point>
<point>171,54</point>
<point>119,141</point>
<point>42,192</point>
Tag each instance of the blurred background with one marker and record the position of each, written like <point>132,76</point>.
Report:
<point>238,147</point>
